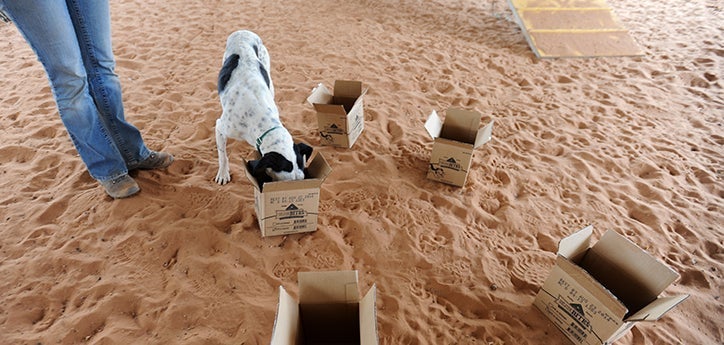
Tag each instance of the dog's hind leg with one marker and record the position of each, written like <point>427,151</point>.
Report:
<point>222,176</point>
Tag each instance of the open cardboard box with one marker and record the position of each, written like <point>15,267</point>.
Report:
<point>329,312</point>
<point>340,114</point>
<point>289,207</point>
<point>595,295</point>
<point>455,140</point>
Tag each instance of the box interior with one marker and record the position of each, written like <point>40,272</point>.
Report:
<point>329,311</point>
<point>346,102</point>
<point>330,323</point>
<point>631,274</point>
<point>461,125</point>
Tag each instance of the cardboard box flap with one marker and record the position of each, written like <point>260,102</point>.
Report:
<point>433,125</point>
<point>633,275</point>
<point>319,168</point>
<point>328,287</point>
<point>656,309</point>
<point>320,95</point>
<point>461,125</point>
<point>347,88</point>
<point>249,175</point>
<point>368,318</point>
<point>485,134</point>
<point>357,99</point>
<point>590,284</point>
<point>575,246</point>
<point>286,323</point>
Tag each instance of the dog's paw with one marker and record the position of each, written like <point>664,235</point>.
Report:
<point>222,177</point>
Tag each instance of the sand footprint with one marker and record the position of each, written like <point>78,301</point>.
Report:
<point>496,274</point>
<point>430,243</point>
<point>325,258</point>
<point>255,283</point>
<point>40,236</point>
<point>54,211</point>
<point>643,214</point>
<point>461,271</point>
<point>396,132</point>
<point>182,167</point>
<point>444,86</point>
<point>285,270</point>
<point>28,310</point>
<point>530,269</point>
<point>417,288</point>
<point>695,278</point>
<point>354,199</point>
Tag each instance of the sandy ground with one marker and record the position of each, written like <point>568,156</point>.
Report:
<point>631,144</point>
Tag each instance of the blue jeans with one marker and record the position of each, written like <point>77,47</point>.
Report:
<point>72,39</point>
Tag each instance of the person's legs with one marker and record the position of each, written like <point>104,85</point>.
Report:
<point>75,50</point>
<point>47,27</point>
<point>91,19</point>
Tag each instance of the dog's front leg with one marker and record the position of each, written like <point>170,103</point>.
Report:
<point>222,176</point>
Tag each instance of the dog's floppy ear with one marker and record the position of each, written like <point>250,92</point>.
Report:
<point>259,172</point>
<point>225,74</point>
<point>303,152</point>
<point>273,161</point>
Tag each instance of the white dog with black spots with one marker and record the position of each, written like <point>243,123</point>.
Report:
<point>249,113</point>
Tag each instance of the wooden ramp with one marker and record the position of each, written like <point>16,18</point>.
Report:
<point>572,28</point>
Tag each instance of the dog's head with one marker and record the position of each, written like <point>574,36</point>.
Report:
<point>273,166</point>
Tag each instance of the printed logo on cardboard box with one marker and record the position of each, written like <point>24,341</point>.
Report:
<point>333,129</point>
<point>450,163</point>
<point>437,171</point>
<point>292,211</point>
<point>327,138</point>
<point>576,313</point>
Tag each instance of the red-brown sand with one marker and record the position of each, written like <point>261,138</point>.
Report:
<point>631,144</point>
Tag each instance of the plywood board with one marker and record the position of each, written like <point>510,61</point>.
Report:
<point>573,28</point>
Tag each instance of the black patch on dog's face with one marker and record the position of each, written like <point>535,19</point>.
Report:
<point>225,74</point>
<point>271,160</point>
